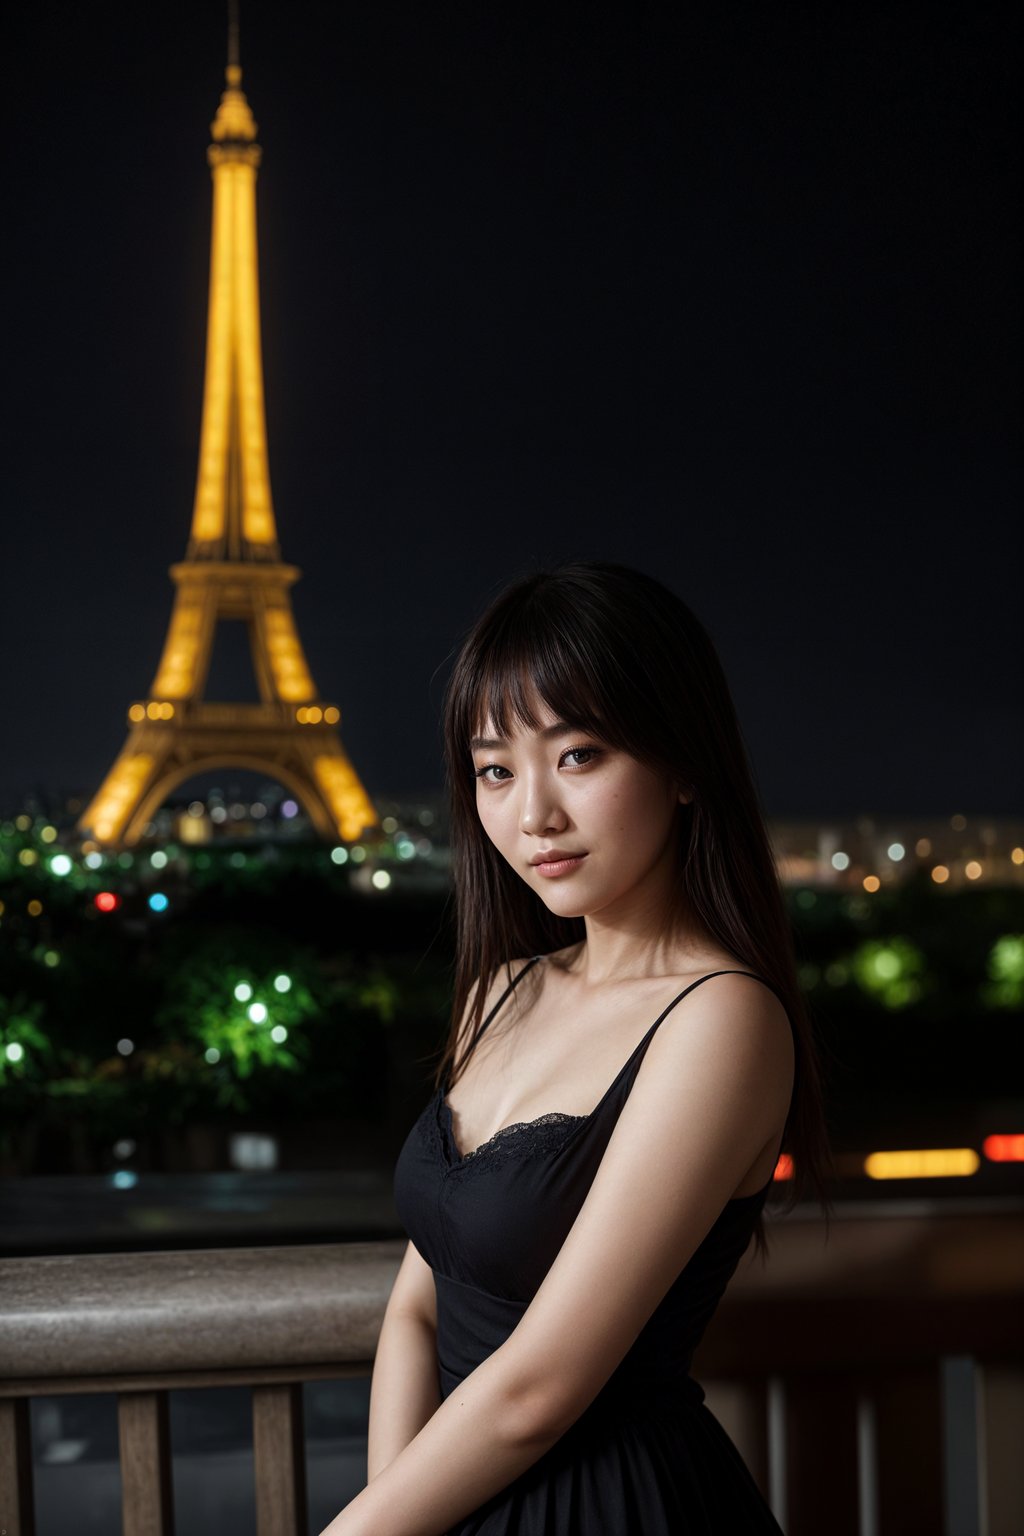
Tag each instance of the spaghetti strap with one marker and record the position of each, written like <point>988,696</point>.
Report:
<point>666,1011</point>
<point>511,986</point>
<point>631,1065</point>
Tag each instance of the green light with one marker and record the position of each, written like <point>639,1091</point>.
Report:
<point>61,865</point>
<point>282,983</point>
<point>257,1013</point>
<point>339,855</point>
<point>1006,961</point>
<point>890,970</point>
<point>243,992</point>
<point>279,1034</point>
<point>14,1051</point>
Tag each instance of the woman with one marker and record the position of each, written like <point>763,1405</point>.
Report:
<point>629,1056</point>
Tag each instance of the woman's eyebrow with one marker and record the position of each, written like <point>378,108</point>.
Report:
<point>559,728</point>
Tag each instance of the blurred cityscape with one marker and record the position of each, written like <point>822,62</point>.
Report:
<point>223,1032</point>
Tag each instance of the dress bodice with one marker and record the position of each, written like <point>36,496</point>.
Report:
<point>490,1224</point>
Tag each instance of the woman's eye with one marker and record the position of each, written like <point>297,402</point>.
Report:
<point>481,773</point>
<point>585,752</point>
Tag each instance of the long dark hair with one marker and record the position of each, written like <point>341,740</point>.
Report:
<point>614,652</point>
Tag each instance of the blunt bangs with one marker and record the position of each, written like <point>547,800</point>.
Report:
<point>535,652</point>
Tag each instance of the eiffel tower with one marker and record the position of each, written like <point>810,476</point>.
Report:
<point>232,568</point>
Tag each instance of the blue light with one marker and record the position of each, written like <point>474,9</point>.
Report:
<point>158,902</point>
<point>124,1178</point>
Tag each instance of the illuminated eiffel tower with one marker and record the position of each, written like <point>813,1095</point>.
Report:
<point>232,569</point>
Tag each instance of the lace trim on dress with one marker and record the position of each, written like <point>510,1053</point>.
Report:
<point>522,1139</point>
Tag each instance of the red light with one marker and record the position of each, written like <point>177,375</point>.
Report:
<point>1004,1149</point>
<point>106,901</point>
<point>783,1168</point>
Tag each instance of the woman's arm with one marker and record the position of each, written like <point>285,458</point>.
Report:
<point>710,1097</point>
<point>404,1392</point>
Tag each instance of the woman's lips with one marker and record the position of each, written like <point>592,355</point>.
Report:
<point>559,866</point>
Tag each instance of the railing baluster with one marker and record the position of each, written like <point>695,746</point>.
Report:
<point>279,1456</point>
<point>17,1506</point>
<point>146,1489</point>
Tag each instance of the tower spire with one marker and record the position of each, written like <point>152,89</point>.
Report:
<point>234,69</point>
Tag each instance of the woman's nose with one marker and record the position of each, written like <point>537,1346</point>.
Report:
<point>540,812</point>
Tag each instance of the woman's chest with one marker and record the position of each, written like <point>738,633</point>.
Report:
<point>497,1218</point>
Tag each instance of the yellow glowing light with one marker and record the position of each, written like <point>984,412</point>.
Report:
<point>291,675</point>
<point>233,500</point>
<point>315,715</point>
<point>973,870</point>
<point>48,834</point>
<point>871,882</point>
<point>301,714</point>
<point>137,713</point>
<point>28,857</point>
<point>940,874</point>
<point>1017,855</point>
<point>923,847</point>
<point>936,1163</point>
<point>35,908</point>
<point>176,674</point>
<point>118,795</point>
<point>332,715</point>
<point>349,804</point>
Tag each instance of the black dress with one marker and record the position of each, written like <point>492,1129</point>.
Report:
<point>647,1457</point>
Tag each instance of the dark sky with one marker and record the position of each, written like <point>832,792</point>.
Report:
<point>727,293</point>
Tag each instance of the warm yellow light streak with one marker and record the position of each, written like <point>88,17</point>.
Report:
<point>935,1163</point>
<point>291,676</point>
<point>348,801</point>
<point>233,500</point>
<point>176,674</point>
<point>117,797</point>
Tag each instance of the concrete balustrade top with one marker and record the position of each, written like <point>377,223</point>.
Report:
<point>144,1313</point>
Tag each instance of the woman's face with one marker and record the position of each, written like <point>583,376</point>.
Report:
<point>558,791</point>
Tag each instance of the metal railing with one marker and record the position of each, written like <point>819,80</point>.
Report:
<point>873,1381</point>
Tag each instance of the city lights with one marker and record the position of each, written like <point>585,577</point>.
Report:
<point>282,983</point>
<point>932,1163</point>
<point>158,902</point>
<point>1004,1149</point>
<point>243,992</point>
<point>106,901</point>
<point>257,1013</point>
<point>61,865</point>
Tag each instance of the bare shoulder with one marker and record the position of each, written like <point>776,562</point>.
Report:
<point>731,1023</point>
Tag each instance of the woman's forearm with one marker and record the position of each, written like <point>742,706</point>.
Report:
<point>404,1391</point>
<point>481,1438</point>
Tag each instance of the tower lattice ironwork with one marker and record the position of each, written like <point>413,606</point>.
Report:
<point>232,568</point>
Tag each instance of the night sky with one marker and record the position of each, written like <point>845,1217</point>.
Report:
<point>727,293</point>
